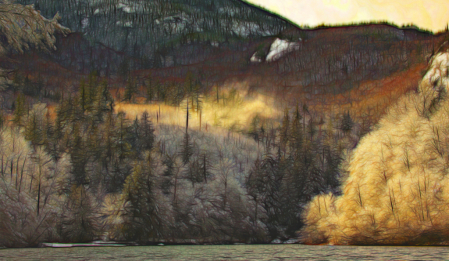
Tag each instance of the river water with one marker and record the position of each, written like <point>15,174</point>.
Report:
<point>229,252</point>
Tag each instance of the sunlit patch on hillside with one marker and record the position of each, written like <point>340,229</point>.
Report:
<point>234,109</point>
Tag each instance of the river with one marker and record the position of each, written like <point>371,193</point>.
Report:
<point>229,252</point>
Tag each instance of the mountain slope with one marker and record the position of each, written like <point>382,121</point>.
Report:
<point>215,40</point>
<point>147,27</point>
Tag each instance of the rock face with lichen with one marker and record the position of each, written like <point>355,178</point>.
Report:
<point>397,182</point>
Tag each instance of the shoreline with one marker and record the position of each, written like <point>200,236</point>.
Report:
<point>133,244</point>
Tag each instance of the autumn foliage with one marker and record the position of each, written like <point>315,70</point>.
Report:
<point>395,190</point>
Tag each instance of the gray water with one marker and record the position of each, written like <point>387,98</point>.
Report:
<point>229,252</point>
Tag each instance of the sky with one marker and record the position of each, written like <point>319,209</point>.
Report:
<point>427,14</point>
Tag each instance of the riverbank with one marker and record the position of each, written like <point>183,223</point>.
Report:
<point>186,242</point>
<point>230,252</point>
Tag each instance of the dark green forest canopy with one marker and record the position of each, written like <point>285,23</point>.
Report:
<point>145,27</point>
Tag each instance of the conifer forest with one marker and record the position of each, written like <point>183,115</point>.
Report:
<point>216,122</point>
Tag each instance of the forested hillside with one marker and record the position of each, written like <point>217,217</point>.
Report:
<point>395,189</point>
<point>173,179</point>
<point>185,121</point>
<point>150,28</point>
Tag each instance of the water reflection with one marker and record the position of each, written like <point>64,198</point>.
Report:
<point>229,252</point>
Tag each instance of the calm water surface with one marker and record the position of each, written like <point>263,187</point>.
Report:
<point>229,252</point>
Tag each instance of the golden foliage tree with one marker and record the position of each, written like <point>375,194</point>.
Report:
<point>396,190</point>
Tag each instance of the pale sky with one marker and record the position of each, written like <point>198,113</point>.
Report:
<point>428,14</point>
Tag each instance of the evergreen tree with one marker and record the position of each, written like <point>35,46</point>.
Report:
<point>347,123</point>
<point>161,92</point>
<point>197,103</point>
<point>193,172</point>
<point>29,88</point>
<point>146,132</point>
<point>47,130</point>
<point>272,176</point>
<point>142,220</point>
<point>75,111</point>
<point>189,84</point>
<point>122,147</point>
<point>78,155</point>
<point>187,149</point>
<point>205,167</point>
<point>79,220</point>
<point>17,83</point>
<point>256,187</point>
<point>254,128</point>
<point>20,110</point>
<point>93,147</point>
<point>120,170</point>
<point>130,89</point>
<point>311,129</point>
<point>33,130</point>
<point>65,113</point>
<point>83,95</point>
<point>92,90</point>
<point>167,183</point>
<point>284,131</point>
<point>104,102</point>
<point>332,159</point>
<point>289,200</point>
<point>296,135</point>
<point>134,138</point>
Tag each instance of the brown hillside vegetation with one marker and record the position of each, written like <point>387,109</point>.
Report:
<point>329,62</point>
<point>370,101</point>
<point>395,190</point>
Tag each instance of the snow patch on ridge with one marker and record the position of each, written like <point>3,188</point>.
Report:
<point>280,47</point>
<point>124,24</point>
<point>437,75</point>
<point>125,8</point>
<point>255,59</point>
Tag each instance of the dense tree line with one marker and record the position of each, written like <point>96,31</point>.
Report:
<point>79,170</point>
<point>305,163</point>
<point>136,181</point>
